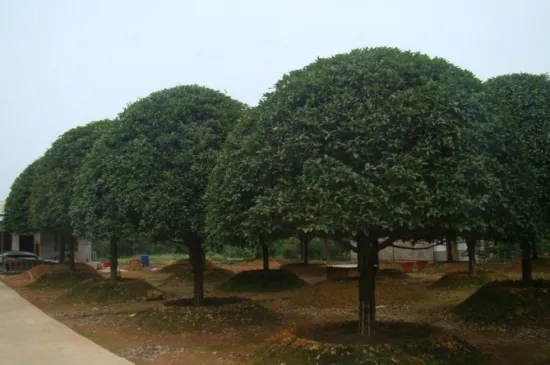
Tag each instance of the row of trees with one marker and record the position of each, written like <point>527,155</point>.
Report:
<point>364,149</point>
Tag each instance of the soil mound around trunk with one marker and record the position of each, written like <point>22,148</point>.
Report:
<point>184,276</point>
<point>396,343</point>
<point>463,279</point>
<point>60,276</point>
<point>102,290</point>
<point>183,265</point>
<point>345,293</point>
<point>214,315</point>
<point>510,303</point>
<point>314,268</point>
<point>445,267</point>
<point>263,281</point>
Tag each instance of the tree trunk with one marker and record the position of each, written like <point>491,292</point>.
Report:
<point>114,260</point>
<point>305,243</point>
<point>265,255</point>
<point>526,263</point>
<point>196,255</point>
<point>449,247</point>
<point>61,243</point>
<point>367,256</point>
<point>71,251</point>
<point>471,245</point>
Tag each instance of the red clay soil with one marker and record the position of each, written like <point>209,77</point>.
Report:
<point>345,293</point>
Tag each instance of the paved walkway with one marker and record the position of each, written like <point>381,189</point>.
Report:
<point>30,337</point>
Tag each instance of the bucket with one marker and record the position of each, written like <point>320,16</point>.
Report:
<point>145,260</point>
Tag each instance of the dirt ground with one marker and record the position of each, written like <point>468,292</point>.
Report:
<point>111,325</point>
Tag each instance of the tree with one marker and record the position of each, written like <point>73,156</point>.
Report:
<point>151,171</point>
<point>376,145</point>
<point>525,99</point>
<point>17,206</point>
<point>52,191</point>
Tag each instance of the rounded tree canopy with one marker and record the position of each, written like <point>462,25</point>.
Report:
<point>378,141</point>
<point>17,205</point>
<point>149,173</point>
<point>525,98</point>
<point>52,192</point>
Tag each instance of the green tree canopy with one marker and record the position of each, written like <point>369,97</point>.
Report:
<point>525,100</point>
<point>371,144</point>
<point>52,190</point>
<point>17,206</point>
<point>150,173</point>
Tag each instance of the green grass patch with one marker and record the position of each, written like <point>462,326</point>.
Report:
<point>214,315</point>
<point>508,303</point>
<point>263,281</point>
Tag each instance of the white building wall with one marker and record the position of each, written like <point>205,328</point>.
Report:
<point>84,253</point>
<point>15,242</point>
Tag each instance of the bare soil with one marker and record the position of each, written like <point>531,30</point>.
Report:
<point>114,325</point>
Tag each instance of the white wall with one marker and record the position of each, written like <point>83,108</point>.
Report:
<point>15,242</point>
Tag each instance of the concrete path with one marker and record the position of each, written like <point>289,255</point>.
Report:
<point>30,337</point>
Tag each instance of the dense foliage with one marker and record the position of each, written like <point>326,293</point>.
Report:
<point>148,175</point>
<point>52,191</point>
<point>18,202</point>
<point>371,144</point>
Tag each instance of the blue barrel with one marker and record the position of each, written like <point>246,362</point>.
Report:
<point>145,260</point>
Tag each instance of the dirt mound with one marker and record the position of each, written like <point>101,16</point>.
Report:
<point>185,276</point>
<point>445,267</point>
<point>182,265</point>
<point>215,315</point>
<point>539,266</point>
<point>338,343</point>
<point>345,293</point>
<point>101,290</point>
<point>60,276</point>
<point>455,280</point>
<point>391,274</point>
<point>315,268</point>
<point>508,302</point>
<point>263,281</point>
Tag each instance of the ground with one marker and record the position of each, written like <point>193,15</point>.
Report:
<point>115,325</point>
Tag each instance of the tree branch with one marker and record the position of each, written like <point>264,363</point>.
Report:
<point>417,248</point>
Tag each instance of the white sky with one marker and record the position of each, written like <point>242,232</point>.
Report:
<point>66,63</point>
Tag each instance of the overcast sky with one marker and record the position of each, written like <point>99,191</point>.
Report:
<point>66,63</point>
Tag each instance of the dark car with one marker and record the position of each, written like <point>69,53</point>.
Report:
<point>21,260</point>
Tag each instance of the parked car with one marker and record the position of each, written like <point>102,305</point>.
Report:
<point>21,257</point>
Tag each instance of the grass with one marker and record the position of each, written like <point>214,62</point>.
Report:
<point>263,281</point>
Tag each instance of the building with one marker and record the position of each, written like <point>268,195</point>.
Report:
<point>44,244</point>
<point>405,252</point>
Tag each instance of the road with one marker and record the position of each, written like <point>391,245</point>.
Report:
<point>30,337</point>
